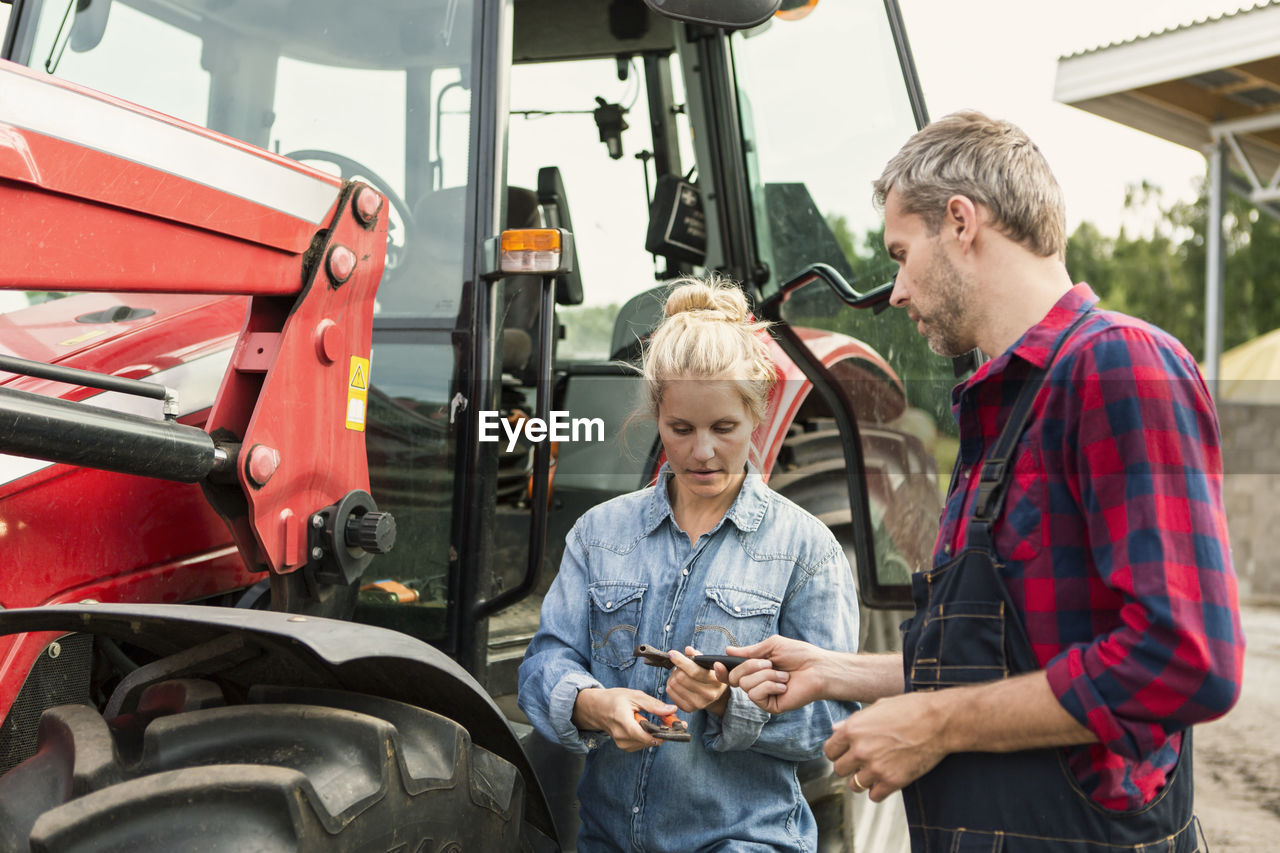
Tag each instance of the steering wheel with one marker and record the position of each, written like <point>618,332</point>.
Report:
<point>397,253</point>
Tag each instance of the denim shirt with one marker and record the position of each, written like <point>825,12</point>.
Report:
<point>630,576</point>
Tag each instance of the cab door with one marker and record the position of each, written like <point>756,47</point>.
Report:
<point>825,94</point>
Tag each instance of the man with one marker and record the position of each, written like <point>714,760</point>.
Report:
<point>1081,610</point>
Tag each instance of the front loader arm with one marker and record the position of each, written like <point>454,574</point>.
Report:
<point>99,194</point>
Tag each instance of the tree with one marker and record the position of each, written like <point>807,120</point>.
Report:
<point>588,330</point>
<point>1160,276</point>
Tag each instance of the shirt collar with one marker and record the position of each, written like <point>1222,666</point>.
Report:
<point>746,513</point>
<point>1040,340</point>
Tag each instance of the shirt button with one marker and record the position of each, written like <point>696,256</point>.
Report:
<point>966,472</point>
<point>686,571</point>
<point>608,604</point>
<point>667,628</point>
<point>636,809</point>
<point>946,549</point>
<point>737,610</point>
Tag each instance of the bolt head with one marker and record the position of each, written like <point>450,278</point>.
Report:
<point>341,264</point>
<point>367,205</point>
<point>329,340</point>
<point>317,521</point>
<point>317,553</point>
<point>263,462</point>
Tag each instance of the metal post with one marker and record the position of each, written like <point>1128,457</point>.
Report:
<point>1215,264</point>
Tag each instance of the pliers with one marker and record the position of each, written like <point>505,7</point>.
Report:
<point>672,728</point>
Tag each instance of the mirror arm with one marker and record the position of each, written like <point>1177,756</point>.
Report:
<point>877,298</point>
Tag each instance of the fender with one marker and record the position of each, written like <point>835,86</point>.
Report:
<point>306,651</point>
<point>881,394</point>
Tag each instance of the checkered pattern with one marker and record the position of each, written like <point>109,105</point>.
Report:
<point>1113,538</point>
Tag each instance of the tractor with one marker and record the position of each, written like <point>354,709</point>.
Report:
<point>308,364</point>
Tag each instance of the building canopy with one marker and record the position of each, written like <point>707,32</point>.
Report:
<point>1212,80</point>
<point>1212,85</point>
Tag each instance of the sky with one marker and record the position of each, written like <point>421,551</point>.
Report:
<point>1000,56</point>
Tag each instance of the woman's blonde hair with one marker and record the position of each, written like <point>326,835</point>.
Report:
<point>708,333</point>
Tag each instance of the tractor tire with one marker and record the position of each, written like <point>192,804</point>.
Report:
<point>817,483</point>
<point>291,769</point>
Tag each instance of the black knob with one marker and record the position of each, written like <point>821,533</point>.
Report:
<point>374,532</point>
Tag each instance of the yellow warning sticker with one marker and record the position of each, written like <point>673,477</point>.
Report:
<point>79,339</point>
<point>357,393</point>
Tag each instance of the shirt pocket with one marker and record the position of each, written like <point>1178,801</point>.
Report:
<point>734,617</point>
<point>961,642</point>
<point>614,620</point>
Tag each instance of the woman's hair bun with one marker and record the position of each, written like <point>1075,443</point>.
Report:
<point>708,333</point>
<point>714,295</point>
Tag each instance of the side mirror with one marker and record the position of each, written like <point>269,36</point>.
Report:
<point>734,15</point>
<point>89,24</point>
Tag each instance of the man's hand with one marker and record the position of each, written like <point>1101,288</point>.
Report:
<point>782,675</point>
<point>693,688</point>
<point>612,710</point>
<point>897,740</point>
<point>888,745</point>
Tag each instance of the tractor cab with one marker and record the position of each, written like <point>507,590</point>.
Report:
<point>663,147</point>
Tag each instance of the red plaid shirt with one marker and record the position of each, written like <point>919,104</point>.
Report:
<point>1113,538</point>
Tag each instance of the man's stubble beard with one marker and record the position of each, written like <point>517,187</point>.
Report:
<point>946,327</point>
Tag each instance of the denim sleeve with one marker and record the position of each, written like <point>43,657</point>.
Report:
<point>822,609</point>
<point>555,667</point>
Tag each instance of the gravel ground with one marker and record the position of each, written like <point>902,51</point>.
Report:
<point>1238,757</point>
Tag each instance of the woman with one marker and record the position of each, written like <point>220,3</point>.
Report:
<point>707,557</point>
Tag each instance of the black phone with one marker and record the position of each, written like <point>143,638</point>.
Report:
<point>709,661</point>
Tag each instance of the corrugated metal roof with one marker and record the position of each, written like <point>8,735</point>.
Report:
<point>1262,4</point>
<point>1194,84</point>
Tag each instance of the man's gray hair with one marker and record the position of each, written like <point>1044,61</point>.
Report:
<point>992,163</point>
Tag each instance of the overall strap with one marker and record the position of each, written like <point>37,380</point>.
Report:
<point>993,483</point>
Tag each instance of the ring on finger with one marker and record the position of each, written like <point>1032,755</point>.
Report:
<point>861,787</point>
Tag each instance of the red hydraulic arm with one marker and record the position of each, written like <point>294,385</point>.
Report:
<point>100,194</point>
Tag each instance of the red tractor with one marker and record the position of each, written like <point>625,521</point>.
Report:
<point>287,476</point>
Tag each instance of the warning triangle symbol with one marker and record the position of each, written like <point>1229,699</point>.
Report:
<point>358,380</point>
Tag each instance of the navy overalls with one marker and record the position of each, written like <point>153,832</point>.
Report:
<point>965,630</point>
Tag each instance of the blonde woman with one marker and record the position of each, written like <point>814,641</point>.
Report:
<point>707,557</point>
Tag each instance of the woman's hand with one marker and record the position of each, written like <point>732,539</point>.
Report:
<point>693,688</point>
<point>613,710</point>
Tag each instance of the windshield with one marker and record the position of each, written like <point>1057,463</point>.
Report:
<point>378,90</point>
<point>373,90</point>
